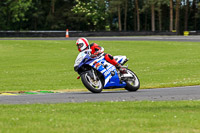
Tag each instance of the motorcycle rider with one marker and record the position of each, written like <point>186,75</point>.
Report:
<point>83,44</point>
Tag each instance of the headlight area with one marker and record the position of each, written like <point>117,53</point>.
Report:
<point>76,68</point>
<point>78,61</point>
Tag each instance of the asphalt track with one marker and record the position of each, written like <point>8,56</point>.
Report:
<point>131,38</point>
<point>160,94</point>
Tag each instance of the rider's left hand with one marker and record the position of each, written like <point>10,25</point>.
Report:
<point>97,53</point>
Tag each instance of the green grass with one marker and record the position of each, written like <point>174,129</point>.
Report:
<point>48,65</point>
<point>115,117</point>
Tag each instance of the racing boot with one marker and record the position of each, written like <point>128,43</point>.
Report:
<point>121,69</point>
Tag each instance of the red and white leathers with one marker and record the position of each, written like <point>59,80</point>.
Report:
<point>98,50</point>
<point>83,44</point>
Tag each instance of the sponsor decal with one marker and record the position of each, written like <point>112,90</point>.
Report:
<point>109,70</point>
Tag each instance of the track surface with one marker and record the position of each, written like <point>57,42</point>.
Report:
<point>132,38</point>
<point>161,94</point>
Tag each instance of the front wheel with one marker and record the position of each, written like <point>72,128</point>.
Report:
<point>92,85</point>
<point>133,83</point>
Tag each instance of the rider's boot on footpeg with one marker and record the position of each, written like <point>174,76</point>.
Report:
<point>121,69</point>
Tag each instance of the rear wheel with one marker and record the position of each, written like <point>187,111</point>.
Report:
<point>133,83</point>
<point>92,85</point>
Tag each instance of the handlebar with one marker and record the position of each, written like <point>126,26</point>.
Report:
<point>88,51</point>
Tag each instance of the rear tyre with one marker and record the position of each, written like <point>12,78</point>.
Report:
<point>92,85</point>
<point>132,84</point>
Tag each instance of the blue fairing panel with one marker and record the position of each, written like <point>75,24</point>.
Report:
<point>115,82</point>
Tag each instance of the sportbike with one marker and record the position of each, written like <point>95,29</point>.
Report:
<point>98,74</point>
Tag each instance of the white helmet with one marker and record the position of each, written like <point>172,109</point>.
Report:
<point>82,44</point>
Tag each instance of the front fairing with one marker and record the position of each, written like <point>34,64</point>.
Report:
<point>82,59</point>
<point>79,58</point>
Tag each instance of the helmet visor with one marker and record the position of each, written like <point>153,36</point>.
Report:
<point>80,45</point>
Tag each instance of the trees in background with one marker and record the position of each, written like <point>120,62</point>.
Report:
<point>100,15</point>
<point>177,22</point>
<point>137,14</point>
<point>171,16</point>
<point>115,7</point>
<point>125,14</point>
<point>91,12</point>
<point>186,15</point>
<point>13,13</point>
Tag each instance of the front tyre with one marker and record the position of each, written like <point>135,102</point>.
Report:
<point>92,85</point>
<point>133,83</point>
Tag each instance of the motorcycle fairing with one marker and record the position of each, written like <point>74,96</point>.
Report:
<point>120,59</point>
<point>104,67</point>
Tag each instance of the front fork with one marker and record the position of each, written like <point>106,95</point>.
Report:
<point>94,75</point>
<point>91,74</point>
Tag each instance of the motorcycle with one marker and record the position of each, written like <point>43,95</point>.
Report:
<point>98,74</point>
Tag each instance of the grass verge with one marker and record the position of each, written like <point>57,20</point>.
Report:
<point>116,117</point>
<point>48,65</point>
